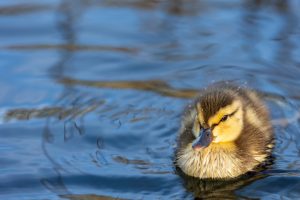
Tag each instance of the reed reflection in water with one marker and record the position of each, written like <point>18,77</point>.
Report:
<point>92,92</point>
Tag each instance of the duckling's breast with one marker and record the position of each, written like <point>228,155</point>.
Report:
<point>215,161</point>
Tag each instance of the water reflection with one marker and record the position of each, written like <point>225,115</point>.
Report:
<point>209,189</point>
<point>20,9</point>
<point>122,72</point>
<point>280,35</point>
<point>89,197</point>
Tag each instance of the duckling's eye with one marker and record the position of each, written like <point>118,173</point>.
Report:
<point>224,118</point>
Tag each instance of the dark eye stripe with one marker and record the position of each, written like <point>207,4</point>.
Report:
<point>213,126</point>
<point>233,112</point>
<point>224,119</point>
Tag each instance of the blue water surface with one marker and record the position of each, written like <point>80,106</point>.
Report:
<point>92,92</point>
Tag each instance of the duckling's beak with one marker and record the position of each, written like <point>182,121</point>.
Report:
<point>204,139</point>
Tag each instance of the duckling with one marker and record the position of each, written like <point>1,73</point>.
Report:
<point>225,133</point>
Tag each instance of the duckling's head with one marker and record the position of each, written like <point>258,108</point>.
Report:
<point>219,118</point>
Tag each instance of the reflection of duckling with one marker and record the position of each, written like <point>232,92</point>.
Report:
<point>224,134</point>
<point>220,188</point>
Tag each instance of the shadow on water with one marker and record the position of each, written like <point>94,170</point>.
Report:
<point>111,132</point>
<point>221,189</point>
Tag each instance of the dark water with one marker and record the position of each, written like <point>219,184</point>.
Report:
<point>91,93</point>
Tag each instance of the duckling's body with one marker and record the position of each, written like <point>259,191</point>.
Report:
<point>225,133</point>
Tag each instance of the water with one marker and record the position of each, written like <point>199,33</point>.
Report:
<point>91,93</point>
